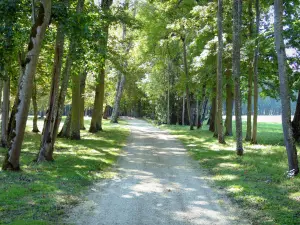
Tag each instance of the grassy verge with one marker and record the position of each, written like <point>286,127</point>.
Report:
<point>256,181</point>
<point>40,194</point>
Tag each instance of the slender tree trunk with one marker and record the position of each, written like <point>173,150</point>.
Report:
<point>284,91</point>
<point>236,56</point>
<point>183,109</point>
<point>115,112</point>
<point>1,91</point>
<point>45,153</point>
<point>255,77</point>
<point>212,115</point>
<point>250,76</point>
<point>5,112</point>
<point>11,161</point>
<point>66,129</point>
<point>220,74</point>
<point>197,114</point>
<point>296,120</point>
<point>35,128</point>
<point>82,93</point>
<point>75,118</point>
<point>187,90</point>
<point>229,104</point>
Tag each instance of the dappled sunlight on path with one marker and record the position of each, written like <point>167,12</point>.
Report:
<point>157,183</point>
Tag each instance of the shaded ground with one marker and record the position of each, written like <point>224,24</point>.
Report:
<point>157,183</point>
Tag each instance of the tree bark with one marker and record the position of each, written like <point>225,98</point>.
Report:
<point>35,128</point>
<point>212,115</point>
<point>183,109</point>
<point>5,111</point>
<point>45,153</point>
<point>187,89</point>
<point>255,77</point>
<point>220,74</point>
<point>250,75</point>
<point>75,118</point>
<point>236,56</point>
<point>115,112</point>
<point>229,104</point>
<point>284,91</point>
<point>82,93</point>
<point>11,161</point>
<point>296,120</point>
<point>66,129</point>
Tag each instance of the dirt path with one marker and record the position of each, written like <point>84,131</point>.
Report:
<point>158,183</point>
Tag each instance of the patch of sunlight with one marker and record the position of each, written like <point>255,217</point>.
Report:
<point>191,145</point>
<point>80,166</point>
<point>229,165</point>
<point>255,199</point>
<point>88,157</point>
<point>105,175</point>
<point>258,147</point>
<point>218,147</point>
<point>235,188</point>
<point>225,177</point>
<point>295,196</point>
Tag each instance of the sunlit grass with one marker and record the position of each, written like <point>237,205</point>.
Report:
<point>257,181</point>
<point>41,194</point>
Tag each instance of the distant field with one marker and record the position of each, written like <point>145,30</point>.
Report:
<point>266,119</point>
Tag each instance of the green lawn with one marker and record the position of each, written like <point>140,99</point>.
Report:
<point>256,181</point>
<point>41,194</point>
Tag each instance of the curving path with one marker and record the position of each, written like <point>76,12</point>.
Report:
<point>157,183</point>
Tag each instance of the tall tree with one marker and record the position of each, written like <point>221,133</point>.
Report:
<point>220,74</point>
<point>96,122</point>
<point>255,77</point>
<point>284,90</point>
<point>38,30</point>
<point>236,57</point>
<point>45,152</point>
<point>250,72</point>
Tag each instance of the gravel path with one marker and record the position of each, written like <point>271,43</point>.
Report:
<point>157,183</point>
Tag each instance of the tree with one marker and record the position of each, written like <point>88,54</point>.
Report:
<point>220,74</point>
<point>11,161</point>
<point>255,77</point>
<point>284,90</point>
<point>237,23</point>
<point>296,120</point>
<point>96,122</point>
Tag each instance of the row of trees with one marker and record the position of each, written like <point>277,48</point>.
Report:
<point>175,61</point>
<point>72,37</point>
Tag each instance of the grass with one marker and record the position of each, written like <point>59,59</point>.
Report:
<point>257,181</point>
<point>41,193</point>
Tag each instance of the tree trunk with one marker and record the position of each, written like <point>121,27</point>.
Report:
<point>296,120</point>
<point>5,112</point>
<point>45,153</point>
<point>1,90</point>
<point>115,112</point>
<point>229,104</point>
<point>35,128</point>
<point>183,109</point>
<point>236,56</point>
<point>66,129</point>
<point>212,115</point>
<point>96,122</point>
<point>82,93</point>
<point>284,90</point>
<point>11,161</point>
<point>220,74</point>
<point>75,118</point>
<point>197,114</point>
<point>250,76</point>
<point>187,90</point>
<point>255,77</point>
